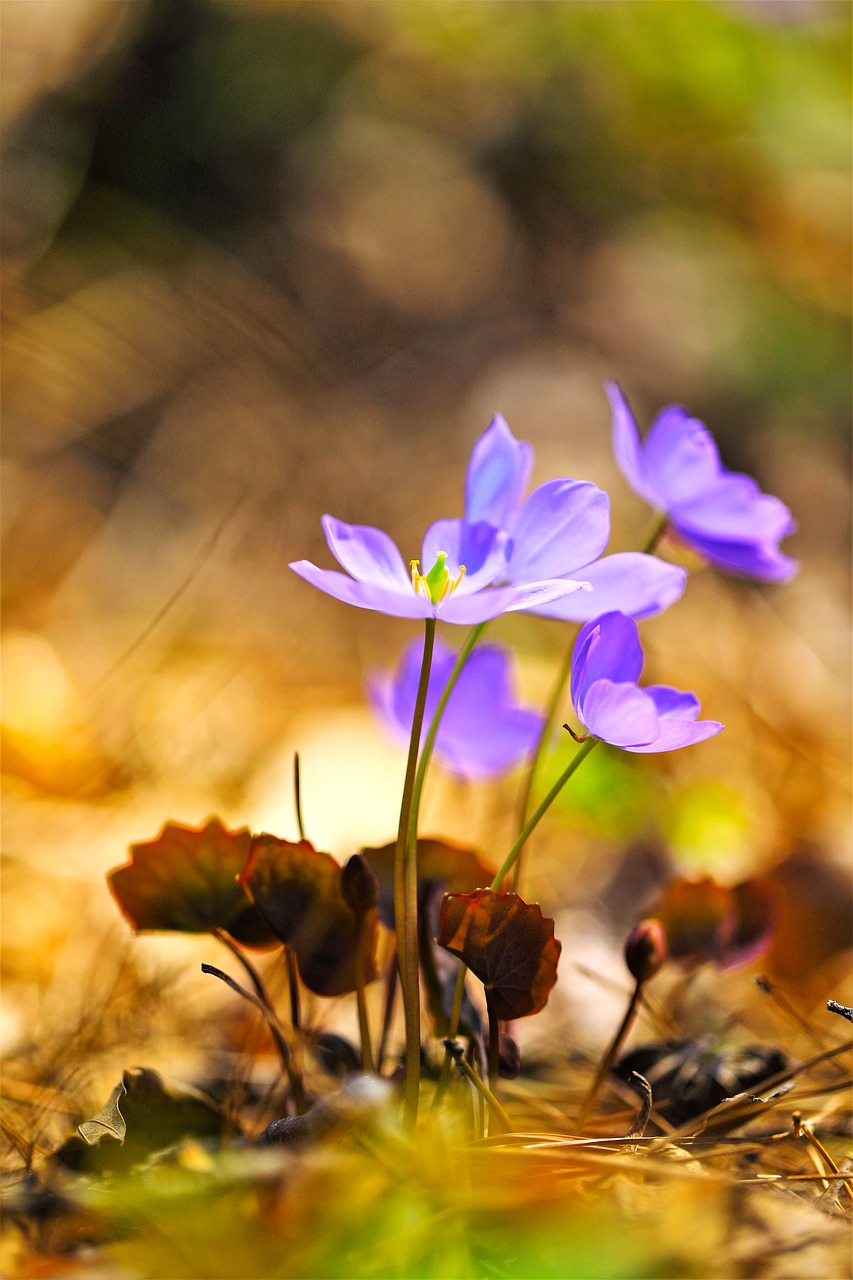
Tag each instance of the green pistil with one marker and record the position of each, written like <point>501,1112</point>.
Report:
<point>438,583</point>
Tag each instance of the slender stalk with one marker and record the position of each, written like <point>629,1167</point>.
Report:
<point>262,1001</point>
<point>391,975</point>
<point>494,1042</point>
<point>541,746</point>
<point>655,534</point>
<point>452,1029</point>
<point>507,866</point>
<point>293,989</point>
<point>486,1093</point>
<point>532,823</point>
<point>434,724</point>
<point>406,895</point>
<point>361,998</point>
<point>612,1053</point>
<point>297,796</point>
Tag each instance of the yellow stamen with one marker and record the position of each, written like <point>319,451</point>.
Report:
<point>433,586</point>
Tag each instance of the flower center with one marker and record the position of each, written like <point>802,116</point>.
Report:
<point>438,584</point>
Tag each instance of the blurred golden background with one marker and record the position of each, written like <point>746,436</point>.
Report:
<point>263,260</point>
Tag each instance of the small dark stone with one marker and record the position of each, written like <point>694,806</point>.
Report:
<point>284,1132</point>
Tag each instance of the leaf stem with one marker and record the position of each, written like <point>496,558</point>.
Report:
<point>391,976</point>
<point>293,988</point>
<point>262,1001</point>
<point>610,1056</point>
<point>362,943</point>
<point>507,866</point>
<point>494,1042</point>
<point>406,894</point>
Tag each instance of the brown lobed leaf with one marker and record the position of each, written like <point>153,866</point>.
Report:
<point>143,1114</point>
<point>297,890</point>
<point>507,943</point>
<point>704,920</point>
<point>186,881</point>
<point>456,868</point>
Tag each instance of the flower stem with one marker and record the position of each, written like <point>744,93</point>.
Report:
<point>507,866</point>
<point>528,828</point>
<point>406,895</point>
<point>610,1056</point>
<point>432,732</point>
<point>655,534</point>
<point>541,746</point>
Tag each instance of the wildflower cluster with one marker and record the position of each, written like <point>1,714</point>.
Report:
<point>542,552</point>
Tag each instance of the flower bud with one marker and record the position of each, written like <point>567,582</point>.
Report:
<point>645,949</point>
<point>359,885</point>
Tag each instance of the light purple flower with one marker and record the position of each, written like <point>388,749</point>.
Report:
<point>376,577</point>
<point>721,514</point>
<point>606,666</point>
<point>560,530</point>
<point>483,730</point>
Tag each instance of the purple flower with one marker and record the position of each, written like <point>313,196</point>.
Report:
<point>483,731</point>
<point>606,666</point>
<point>559,530</point>
<point>460,566</point>
<point>722,515</point>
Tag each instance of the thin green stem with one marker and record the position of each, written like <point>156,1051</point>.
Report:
<point>655,534</point>
<point>406,895</point>
<point>432,732</point>
<point>507,866</point>
<point>545,805</point>
<point>540,749</point>
<point>652,539</point>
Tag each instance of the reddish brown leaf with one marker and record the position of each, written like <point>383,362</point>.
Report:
<point>297,890</point>
<point>704,920</point>
<point>507,943</point>
<point>456,869</point>
<point>186,881</point>
<point>697,916</point>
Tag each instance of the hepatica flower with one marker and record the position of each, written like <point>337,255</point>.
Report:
<point>483,730</point>
<point>722,515</point>
<point>606,666</point>
<point>559,531</point>
<point>453,580</point>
